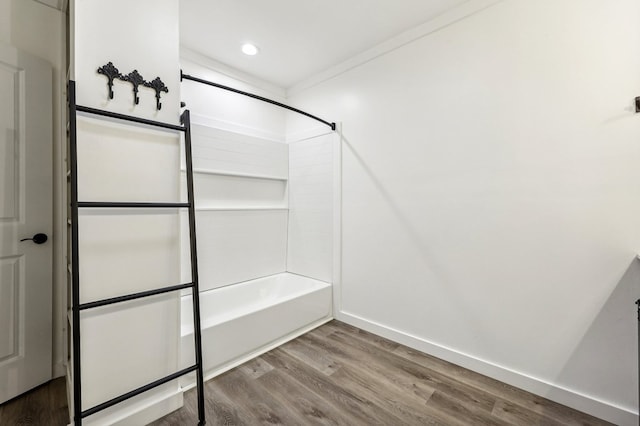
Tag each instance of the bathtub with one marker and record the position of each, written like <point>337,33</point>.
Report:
<point>242,321</point>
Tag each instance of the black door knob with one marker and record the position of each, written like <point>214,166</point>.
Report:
<point>38,238</point>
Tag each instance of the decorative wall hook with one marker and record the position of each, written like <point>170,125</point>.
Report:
<point>136,79</point>
<point>111,72</point>
<point>157,85</point>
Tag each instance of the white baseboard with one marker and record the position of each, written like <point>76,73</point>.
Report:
<point>153,411</point>
<point>571,398</point>
<point>131,413</point>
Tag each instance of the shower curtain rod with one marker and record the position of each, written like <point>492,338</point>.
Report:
<point>184,76</point>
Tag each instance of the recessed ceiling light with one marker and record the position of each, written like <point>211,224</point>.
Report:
<point>249,49</point>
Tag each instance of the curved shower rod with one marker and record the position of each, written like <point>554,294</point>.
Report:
<point>184,76</point>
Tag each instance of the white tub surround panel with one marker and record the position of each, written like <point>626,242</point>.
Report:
<point>224,191</point>
<point>241,189</point>
<point>238,154</point>
<point>236,246</point>
<point>311,204</point>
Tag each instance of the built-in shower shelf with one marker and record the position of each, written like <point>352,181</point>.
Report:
<point>234,209</point>
<point>235,174</point>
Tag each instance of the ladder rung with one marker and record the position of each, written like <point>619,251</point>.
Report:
<point>133,296</point>
<point>123,117</point>
<point>138,391</point>
<point>127,205</point>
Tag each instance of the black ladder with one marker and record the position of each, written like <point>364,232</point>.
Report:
<point>80,414</point>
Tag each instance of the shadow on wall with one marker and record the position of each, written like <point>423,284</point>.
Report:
<point>607,355</point>
<point>604,363</point>
<point>409,228</point>
<point>429,259</point>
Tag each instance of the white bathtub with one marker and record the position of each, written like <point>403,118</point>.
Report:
<point>242,321</point>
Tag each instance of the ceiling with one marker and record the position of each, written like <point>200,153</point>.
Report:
<point>297,38</point>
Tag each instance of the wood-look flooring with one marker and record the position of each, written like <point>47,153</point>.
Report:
<point>335,375</point>
<point>341,375</point>
<point>44,405</point>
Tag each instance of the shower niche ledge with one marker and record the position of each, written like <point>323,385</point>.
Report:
<point>236,174</point>
<point>217,190</point>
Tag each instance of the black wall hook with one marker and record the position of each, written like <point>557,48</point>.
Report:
<point>136,79</point>
<point>638,104</point>
<point>157,85</point>
<point>111,72</point>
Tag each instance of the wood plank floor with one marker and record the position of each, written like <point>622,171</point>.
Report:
<point>335,375</point>
<point>341,375</point>
<point>44,405</point>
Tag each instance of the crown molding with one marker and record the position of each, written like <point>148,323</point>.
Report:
<point>444,20</point>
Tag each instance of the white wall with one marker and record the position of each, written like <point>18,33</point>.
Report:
<point>128,345</point>
<point>44,36</point>
<point>142,36</point>
<point>489,199</point>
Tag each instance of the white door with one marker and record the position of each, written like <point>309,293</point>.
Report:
<point>25,210</point>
